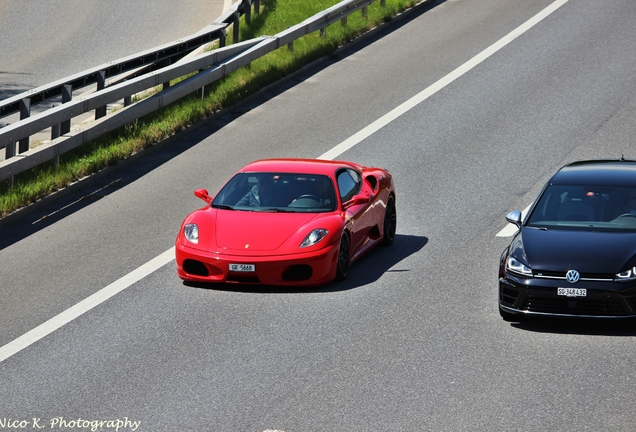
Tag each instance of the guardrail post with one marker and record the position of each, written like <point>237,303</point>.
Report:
<point>55,129</point>
<point>55,132</point>
<point>25,112</point>
<point>323,32</point>
<point>365,11</point>
<point>56,155</point>
<point>128,101</point>
<point>235,27</point>
<point>67,95</point>
<point>248,12</point>
<point>9,151</point>
<point>382,3</point>
<point>201,90</point>
<point>257,6</point>
<point>166,85</point>
<point>290,44</point>
<point>101,84</point>
<point>222,39</point>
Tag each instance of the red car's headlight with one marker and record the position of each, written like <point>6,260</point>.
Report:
<point>191,232</point>
<point>314,237</point>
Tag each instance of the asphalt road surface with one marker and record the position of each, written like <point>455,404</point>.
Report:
<point>472,106</point>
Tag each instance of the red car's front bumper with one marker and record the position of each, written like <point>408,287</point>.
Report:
<point>301,269</point>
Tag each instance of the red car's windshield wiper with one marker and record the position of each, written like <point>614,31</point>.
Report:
<point>222,207</point>
<point>277,210</point>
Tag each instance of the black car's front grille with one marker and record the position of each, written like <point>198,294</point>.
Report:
<point>508,296</point>
<point>594,307</point>
<point>584,276</point>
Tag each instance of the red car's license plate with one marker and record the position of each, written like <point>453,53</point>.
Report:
<point>242,267</point>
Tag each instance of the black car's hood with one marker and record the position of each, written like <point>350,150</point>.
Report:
<point>588,252</point>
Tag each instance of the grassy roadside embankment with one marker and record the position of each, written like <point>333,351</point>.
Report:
<point>274,17</point>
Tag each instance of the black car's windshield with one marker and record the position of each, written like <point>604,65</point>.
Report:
<point>585,207</point>
<point>277,192</point>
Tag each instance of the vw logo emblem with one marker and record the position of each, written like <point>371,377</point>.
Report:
<point>572,276</point>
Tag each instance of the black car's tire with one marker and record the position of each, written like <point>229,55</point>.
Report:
<point>390,223</point>
<point>344,257</point>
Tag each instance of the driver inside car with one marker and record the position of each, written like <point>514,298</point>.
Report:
<point>262,194</point>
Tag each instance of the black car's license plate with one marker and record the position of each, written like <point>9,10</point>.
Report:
<point>572,292</point>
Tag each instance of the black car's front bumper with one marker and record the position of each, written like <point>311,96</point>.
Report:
<point>538,296</point>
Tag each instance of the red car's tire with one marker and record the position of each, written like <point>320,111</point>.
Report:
<point>344,257</point>
<point>390,223</point>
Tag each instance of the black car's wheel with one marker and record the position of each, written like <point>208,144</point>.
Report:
<point>390,223</point>
<point>344,257</point>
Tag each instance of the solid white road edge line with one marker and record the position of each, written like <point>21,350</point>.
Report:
<point>441,83</point>
<point>121,284</point>
<point>85,305</point>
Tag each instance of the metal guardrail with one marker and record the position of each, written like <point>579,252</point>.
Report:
<point>210,66</point>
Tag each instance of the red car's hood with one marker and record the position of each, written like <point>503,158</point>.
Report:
<point>256,231</point>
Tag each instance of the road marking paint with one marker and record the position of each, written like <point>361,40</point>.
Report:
<point>511,229</point>
<point>440,84</point>
<point>151,266</point>
<point>85,305</point>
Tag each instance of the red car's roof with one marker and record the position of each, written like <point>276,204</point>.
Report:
<point>308,166</point>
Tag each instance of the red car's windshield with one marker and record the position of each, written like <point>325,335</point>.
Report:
<point>283,192</point>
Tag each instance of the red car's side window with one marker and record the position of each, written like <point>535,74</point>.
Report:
<point>348,184</point>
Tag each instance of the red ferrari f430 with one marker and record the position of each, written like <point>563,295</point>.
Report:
<point>287,222</point>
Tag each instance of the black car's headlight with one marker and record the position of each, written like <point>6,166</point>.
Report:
<point>191,232</point>
<point>627,275</point>
<point>516,266</point>
<point>314,237</point>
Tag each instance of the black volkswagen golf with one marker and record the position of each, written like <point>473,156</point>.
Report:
<point>575,252</point>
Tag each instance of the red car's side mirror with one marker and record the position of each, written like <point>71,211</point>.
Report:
<point>203,194</point>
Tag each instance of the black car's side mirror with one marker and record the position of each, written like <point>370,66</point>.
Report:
<point>514,217</point>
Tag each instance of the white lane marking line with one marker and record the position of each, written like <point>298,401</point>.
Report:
<point>440,84</point>
<point>121,284</point>
<point>85,305</point>
<point>511,229</point>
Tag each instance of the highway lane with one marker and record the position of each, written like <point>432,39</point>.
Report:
<point>42,42</point>
<point>412,340</point>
